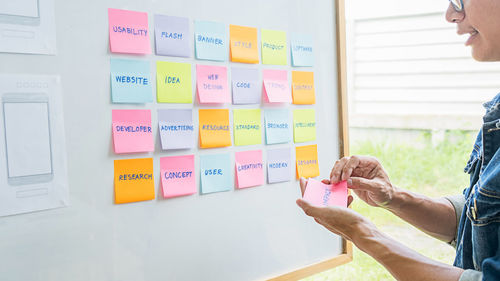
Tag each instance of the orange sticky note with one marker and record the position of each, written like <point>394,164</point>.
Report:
<point>243,44</point>
<point>307,161</point>
<point>214,128</point>
<point>303,87</point>
<point>134,180</point>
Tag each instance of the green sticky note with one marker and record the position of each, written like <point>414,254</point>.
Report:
<point>304,125</point>
<point>247,128</point>
<point>273,47</point>
<point>173,82</point>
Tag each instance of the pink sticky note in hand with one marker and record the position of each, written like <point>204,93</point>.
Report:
<point>177,176</point>
<point>249,168</point>
<point>132,131</point>
<point>320,194</point>
<point>211,84</point>
<point>128,32</point>
<point>276,87</point>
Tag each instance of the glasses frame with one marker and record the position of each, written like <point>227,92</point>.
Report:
<point>457,8</point>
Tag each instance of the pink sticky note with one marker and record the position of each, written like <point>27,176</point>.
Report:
<point>320,194</point>
<point>132,131</point>
<point>177,176</point>
<point>249,168</point>
<point>211,84</point>
<point>276,87</point>
<point>128,32</point>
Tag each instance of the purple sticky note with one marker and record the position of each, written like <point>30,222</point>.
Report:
<point>172,36</point>
<point>176,128</point>
<point>320,194</point>
<point>278,165</point>
<point>246,85</point>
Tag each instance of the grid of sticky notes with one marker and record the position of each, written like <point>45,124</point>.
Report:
<point>192,118</point>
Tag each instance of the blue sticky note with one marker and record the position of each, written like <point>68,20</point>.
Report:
<point>130,81</point>
<point>302,49</point>
<point>277,124</point>
<point>216,175</point>
<point>210,41</point>
<point>172,36</point>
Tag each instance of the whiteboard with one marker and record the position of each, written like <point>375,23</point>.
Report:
<point>250,234</point>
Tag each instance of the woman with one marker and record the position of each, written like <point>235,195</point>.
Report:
<point>470,221</point>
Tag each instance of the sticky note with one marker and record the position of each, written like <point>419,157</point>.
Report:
<point>134,180</point>
<point>277,123</point>
<point>303,87</point>
<point>214,128</point>
<point>176,128</point>
<point>273,48</point>
<point>130,81</point>
<point>276,86</point>
<point>323,195</point>
<point>302,49</point>
<point>307,161</point>
<point>177,176</point>
<point>247,88</point>
<point>279,165</point>
<point>247,129</point>
<point>128,32</point>
<point>210,40</point>
<point>173,82</point>
<point>243,44</point>
<point>215,173</point>
<point>172,36</point>
<point>211,84</point>
<point>132,131</point>
<point>249,168</point>
<point>304,125</point>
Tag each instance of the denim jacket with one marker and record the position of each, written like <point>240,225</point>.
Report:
<point>478,236</point>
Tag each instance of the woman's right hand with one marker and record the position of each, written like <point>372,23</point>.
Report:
<point>366,177</point>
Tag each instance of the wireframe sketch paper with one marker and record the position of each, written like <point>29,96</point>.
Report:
<point>128,32</point>
<point>216,173</point>
<point>134,180</point>
<point>176,128</point>
<point>130,81</point>
<point>321,195</point>
<point>177,176</point>
<point>249,168</point>
<point>28,26</point>
<point>279,165</point>
<point>32,143</point>
<point>172,37</point>
<point>247,88</point>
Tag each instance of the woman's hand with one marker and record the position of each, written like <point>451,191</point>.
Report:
<point>339,220</point>
<point>366,177</point>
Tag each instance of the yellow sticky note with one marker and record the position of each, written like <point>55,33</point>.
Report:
<point>307,161</point>
<point>173,82</point>
<point>304,125</point>
<point>273,47</point>
<point>214,128</point>
<point>134,180</point>
<point>243,44</point>
<point>303,87</point>
<point>247,126</point>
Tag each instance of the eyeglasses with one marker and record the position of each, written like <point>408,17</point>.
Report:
<point>458,5</point>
